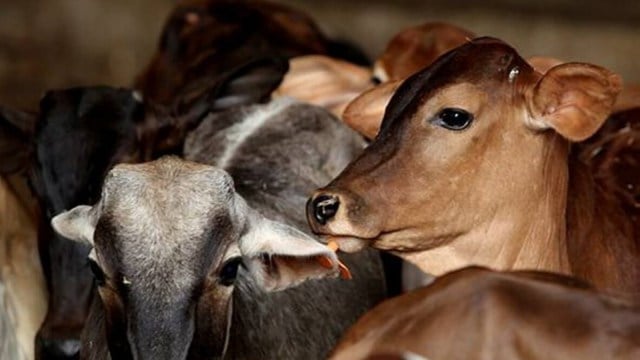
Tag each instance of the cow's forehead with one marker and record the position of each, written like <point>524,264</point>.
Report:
<point>164,219</point>
<point>487,63</point>
<point>187,185</point>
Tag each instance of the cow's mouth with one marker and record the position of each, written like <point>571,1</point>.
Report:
<point>349,244</point>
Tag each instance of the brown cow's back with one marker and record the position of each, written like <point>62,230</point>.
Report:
<point>476,313</point>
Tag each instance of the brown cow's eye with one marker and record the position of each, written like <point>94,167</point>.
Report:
<point>453,119</point>
<point>229,271</point>
<point>98,274</point>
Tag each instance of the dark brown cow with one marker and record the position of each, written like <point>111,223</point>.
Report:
<point>471,166</point>
<point>613,157</point>
<point>475,313</point>
<point>201,38</point>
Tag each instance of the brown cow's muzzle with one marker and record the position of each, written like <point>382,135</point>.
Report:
<point>336,213</point>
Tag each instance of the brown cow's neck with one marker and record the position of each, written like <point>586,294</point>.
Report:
<point>600,236</point>
<point>575,227</point>
<point>526,231</point>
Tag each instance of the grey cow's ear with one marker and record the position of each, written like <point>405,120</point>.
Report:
<point>76,224</point>
<point>280,256</point>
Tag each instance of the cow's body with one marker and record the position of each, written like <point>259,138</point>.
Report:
<point>475,313</point>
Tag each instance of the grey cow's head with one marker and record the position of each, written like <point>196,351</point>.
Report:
<point>169,238</point>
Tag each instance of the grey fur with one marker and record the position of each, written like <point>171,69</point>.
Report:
<point>300,148</point>
<point>158,222</point>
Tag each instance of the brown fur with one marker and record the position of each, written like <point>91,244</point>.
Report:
<point>324,81</point>
<point>20,270</point>
<point>501,193</point>
<point>475,313</point>
<point>203,38</point>
<point>416,47</point>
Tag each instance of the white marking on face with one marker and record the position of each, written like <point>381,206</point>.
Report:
<point>513,74</point>
<point>239,132</point>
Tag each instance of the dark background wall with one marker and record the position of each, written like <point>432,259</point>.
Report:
<point>52,44</point>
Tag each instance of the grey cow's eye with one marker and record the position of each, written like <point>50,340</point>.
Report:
<point>98,274</point>
<point>453,119</point>
<point>229,271</point>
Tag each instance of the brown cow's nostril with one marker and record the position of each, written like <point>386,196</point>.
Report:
<point>325,207</point>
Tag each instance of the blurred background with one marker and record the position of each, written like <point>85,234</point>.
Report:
<point>48,44</point>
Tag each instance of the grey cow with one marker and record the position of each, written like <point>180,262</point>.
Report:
<point>187,263</point>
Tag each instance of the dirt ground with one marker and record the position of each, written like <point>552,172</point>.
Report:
<point>48,44</point>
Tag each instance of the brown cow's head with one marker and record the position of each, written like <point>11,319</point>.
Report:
<point>416,47</point>
<point>476,135</point>
<point>169,238</point>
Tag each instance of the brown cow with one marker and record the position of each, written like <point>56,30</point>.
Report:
<point>417,47</point>
<point>471,166</point>
<point>475,313</point>
<point>23,292</point>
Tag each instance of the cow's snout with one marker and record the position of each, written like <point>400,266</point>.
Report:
<point>57,349</point>
<point>344,217</point>
<point>323,207</point>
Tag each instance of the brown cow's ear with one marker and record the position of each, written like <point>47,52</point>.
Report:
<point>280,256</point>
<point>364,114</point>
<point>574,99</point>
<point>324,81</point>
<point>16,132</point>
<point>76,224</point>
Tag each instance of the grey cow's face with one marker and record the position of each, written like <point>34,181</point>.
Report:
<point>169,238</point>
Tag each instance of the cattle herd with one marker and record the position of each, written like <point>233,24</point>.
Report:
<point>242,201</point>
